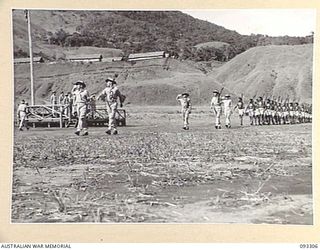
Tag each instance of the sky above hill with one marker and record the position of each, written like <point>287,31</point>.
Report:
<point>272,22</point>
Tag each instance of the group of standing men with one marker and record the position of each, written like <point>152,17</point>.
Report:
<point>260,111</point>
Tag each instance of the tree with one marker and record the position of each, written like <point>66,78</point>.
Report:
<point>61,36</point>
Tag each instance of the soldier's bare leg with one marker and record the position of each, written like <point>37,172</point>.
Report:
<point>112,109</point>
<point>82,120</point>
<point>186,120</point>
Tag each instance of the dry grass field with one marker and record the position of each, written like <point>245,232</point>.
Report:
<point>155,172</point>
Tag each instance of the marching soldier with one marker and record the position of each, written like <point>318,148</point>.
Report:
<point>279,113</point>
<point>284,113</point>
<point>185,108</point>
<point>240,107</point>
<point>273,112</point>
<point>250,110</point>
<point>216,106</point>
<point>260,110</point>
<point>111,94</point>
<point>309,113</point>
<point>291,113</point>
<point>267,112</point>
<point>22,115</point>
<point>297,113</point>
<point>303,114</point>
<point>227,109</point>
<point>81,101</point>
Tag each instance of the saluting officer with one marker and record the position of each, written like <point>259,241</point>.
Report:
<point>185,108</point>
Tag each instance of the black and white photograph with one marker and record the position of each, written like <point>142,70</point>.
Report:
<point>163,116</point>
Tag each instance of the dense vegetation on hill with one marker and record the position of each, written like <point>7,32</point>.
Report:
<point>141,31</point>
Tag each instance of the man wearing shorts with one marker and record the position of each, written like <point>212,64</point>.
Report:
<point>216,107</point>
<point>81,101</point>
<point>240,107</point>
<point>111,94</point>
<point>185,108</point>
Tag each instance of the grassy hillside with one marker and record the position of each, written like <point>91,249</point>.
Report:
<point>150,82</point>
<point>272,70</point>
<point>130,31</point>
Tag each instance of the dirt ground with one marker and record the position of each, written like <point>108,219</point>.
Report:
<point>155,172</point>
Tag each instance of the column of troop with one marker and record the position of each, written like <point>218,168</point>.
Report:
<point>261,111</point>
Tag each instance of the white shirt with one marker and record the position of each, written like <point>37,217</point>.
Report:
<point>185,102</point>
<point>227,104</point>
<point>81,95</point>
<point>111,93</point>
<point>22,108</point>
<point>215,101</point>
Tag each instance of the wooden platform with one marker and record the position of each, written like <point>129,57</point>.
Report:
<point>47,116</point>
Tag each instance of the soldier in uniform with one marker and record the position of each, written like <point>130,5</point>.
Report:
<point>240,107</point>
<point>250,110</point>
<point>285,113</point>
<point>185,108</point>
<point>53,102</point>
<point>111,95</point>
<point>216,106</point>
<point>297,113</point>
<point>260,110</point>
<point>273,112</point>
<point>279,113</point>
<point>267,112</point>
<point>81,101</point>
<point>22,115</point>
<point>227,103</point>
<point>291,113</point>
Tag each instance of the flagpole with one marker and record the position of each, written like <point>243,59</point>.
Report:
<point>28,13</point>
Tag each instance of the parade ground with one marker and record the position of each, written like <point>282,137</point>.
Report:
<point>153,171</point>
